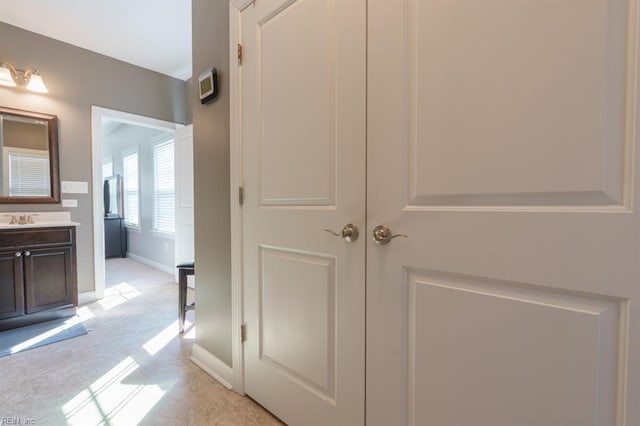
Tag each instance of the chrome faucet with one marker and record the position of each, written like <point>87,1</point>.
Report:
<point>23,219</point>
<point>13,219</point>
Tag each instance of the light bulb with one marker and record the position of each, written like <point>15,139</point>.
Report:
<point>5,77</point>
<point>36,84</point>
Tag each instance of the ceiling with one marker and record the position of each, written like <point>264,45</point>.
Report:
<point>153,34</point>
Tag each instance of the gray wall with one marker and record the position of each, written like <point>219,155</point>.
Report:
<point>143,242</point>
<point>211,187</point>
<point>78,79</point>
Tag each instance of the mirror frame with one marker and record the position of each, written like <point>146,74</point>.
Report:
<point>54,167</point>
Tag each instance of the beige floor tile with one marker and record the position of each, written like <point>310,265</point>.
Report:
<point>131,368</point>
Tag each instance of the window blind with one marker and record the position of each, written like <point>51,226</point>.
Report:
<point>164,188</point>
<point>28,175</point>
<point>131,189</point>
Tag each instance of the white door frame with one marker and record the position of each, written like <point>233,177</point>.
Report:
<point>236,181</point>
<point>183,207</point>
<point>97,116</point>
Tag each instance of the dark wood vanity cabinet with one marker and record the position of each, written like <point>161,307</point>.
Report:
<point>37,275</point>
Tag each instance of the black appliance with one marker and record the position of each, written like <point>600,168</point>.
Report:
<point>115,233</point>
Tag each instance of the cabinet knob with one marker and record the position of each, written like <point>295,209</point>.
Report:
<point>18,253</point>
<point>27,253</point>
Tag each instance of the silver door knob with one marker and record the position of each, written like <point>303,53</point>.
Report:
<point>27,253</point>
<point>18,254</point>
<point>349,232</point>
<point>382,235</point>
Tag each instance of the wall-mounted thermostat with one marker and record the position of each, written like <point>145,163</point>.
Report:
<point>208,85</point>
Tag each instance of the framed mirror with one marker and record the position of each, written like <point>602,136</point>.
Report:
<point>29,171</point>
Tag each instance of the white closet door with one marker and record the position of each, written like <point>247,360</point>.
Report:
<point>502,140</point>
<point>303,130</point>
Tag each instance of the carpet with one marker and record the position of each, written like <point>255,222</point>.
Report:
<point>36,335</point>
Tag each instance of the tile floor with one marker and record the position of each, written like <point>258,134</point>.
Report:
<point>131,368</point>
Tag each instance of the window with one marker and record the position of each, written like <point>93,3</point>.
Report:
<point>131,189</point>
<point>163,188</point>
<point>107,169</point>
<point>28,172</point>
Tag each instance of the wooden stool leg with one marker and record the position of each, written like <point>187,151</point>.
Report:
<point>182,298</point>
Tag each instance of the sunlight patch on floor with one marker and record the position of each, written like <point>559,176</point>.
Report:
<point>43,336</point>
<point>113,399</point>
<point>190,332</point>
<point>84,314</point>
<point>160,340</point>
<point>117,295</point>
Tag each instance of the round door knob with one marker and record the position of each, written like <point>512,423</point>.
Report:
<point>18,254</point>
<point>27,253</point>
<point>349,232</point>
<point>382,235</point>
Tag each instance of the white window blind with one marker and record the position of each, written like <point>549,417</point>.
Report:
<point>28,174</point>
<point>164,219</point>
<point>131,189</point>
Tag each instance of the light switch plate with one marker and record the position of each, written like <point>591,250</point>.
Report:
<point>71,187</point>
<point>69,203</point>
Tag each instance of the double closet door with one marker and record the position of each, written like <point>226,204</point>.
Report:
<point>490,147</point>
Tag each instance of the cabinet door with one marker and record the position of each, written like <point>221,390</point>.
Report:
<point>114,238</point>
<point>48,278</point>
<point>11,288</point>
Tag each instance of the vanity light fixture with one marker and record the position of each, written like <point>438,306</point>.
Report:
<point>29,79</point>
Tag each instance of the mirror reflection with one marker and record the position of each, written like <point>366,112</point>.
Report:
<point>25,157</point>
<point>28,149</point>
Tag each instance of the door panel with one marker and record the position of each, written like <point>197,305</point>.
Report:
<point>501,89</point>
<point>303,130</point>
<point>566,343</point>
<point>297,293</point>
<point>297,107</point>
<point>501,140</point>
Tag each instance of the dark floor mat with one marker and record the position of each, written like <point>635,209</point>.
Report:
<point>34,336</point>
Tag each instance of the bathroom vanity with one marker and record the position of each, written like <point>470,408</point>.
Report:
<point>38,278</point>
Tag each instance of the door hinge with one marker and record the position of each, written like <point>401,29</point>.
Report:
<point>241,195</point>
<point>239,54</point>
<point>243,333</point>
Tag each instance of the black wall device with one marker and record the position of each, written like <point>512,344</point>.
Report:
<point>208,85</point>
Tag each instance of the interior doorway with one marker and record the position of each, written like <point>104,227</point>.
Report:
<point>105,121</point>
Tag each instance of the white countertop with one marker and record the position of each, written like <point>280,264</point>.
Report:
<point>40,219</point>
<point>39,225</point>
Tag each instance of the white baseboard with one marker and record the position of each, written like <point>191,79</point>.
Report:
<point>163,268</point>
<point>213,366</point>
<point>87,297</point>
